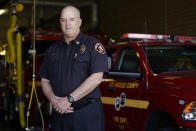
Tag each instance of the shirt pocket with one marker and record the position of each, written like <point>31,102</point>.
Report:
<point>82,58</point>
<point>53,65</point>
<point>53,59</point>
<point>81,62</point>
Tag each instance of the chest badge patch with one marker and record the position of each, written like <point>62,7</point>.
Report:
<point>99,48</point>
<point>82,49</point>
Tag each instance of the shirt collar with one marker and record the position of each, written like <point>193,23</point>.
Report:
<point>77,40</point>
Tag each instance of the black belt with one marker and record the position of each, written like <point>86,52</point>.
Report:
<point>83,102</point>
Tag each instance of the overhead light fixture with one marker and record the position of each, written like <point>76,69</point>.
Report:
<point>3,11</point>
<point>3,52</point>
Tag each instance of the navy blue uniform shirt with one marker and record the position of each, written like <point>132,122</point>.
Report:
<point>66,66</point>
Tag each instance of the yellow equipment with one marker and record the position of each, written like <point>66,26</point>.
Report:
<point>10,57</point>
<point>12,36</point>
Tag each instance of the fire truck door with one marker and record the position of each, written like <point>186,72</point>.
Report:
<point>124,93</point>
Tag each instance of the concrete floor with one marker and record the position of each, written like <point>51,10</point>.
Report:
<point>4,126</point>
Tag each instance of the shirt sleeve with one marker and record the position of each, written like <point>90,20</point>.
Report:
<point>43,70</point>
<point>98,58</point>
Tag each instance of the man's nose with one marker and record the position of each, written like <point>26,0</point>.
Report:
<point>67,22</point>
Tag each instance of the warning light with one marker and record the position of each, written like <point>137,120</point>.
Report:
<point>185,38</point>
<point>136,36</point>
<point>145,36</point>
<point>19,7</point>
<point>189,113</point>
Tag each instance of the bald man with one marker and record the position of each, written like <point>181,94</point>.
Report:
<point>70,74</point>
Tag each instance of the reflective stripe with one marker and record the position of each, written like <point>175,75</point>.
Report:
<point>137,103</point>
<point>108,100</point>
<point>129,102</point>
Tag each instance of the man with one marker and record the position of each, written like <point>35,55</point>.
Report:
<point>71,71</point>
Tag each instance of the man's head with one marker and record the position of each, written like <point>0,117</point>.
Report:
<point>70,21</point>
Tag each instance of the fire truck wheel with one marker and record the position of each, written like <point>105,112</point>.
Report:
<point>161,121</point>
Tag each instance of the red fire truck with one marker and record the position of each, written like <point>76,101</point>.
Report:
<point>151,85</point>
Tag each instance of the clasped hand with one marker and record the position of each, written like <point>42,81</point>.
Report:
<point>62,105</point>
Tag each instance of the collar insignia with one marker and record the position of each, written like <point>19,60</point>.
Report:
<point>77,42</point>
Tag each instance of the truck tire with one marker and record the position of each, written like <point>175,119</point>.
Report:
<point>161,121</point>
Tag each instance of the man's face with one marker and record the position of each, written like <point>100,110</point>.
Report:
<point>70,22</point>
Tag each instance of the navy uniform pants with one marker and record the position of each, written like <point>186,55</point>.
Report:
<point>87,118</point>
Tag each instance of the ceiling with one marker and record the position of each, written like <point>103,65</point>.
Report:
<point>110,16</point>
<point>47,14</point>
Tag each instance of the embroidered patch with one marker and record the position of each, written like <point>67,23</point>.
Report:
<point>99,48</point>
<point>82,49</point>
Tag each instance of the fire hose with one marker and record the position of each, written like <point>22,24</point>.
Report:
<point>33,89</point>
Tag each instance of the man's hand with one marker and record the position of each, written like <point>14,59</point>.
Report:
<point>54,101</point>
<point>61,105</point>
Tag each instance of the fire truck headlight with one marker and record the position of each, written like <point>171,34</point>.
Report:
<point>189,113</point>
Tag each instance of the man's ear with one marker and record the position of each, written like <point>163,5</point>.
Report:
<point>80,22</point>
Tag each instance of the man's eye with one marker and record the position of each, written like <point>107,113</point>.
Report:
<point>72,19</point>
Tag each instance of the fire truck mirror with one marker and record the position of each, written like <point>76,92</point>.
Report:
<point>109,63</point>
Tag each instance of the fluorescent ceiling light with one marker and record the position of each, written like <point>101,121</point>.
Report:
<point>3,11</point>
<point>3,52</point>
